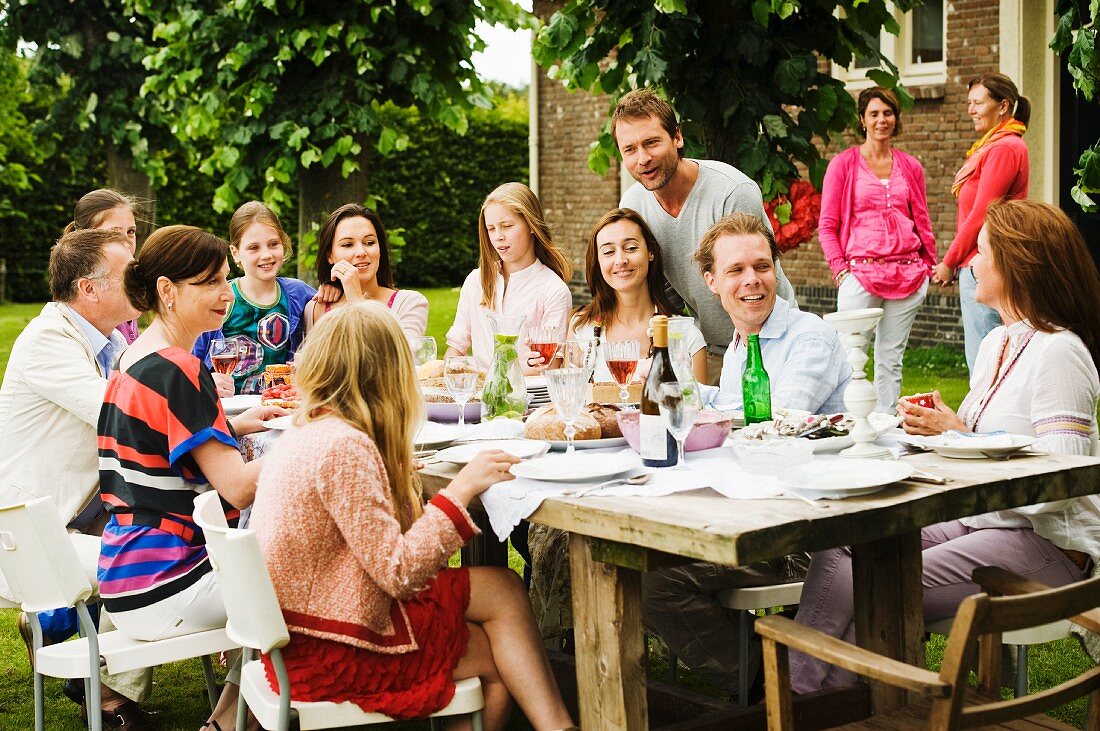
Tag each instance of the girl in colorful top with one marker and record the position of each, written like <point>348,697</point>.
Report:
<point>354,255</point>
<point>1036,375</point>
<point>108,209</point>
<point>265,315</point>
<point>163,438</point>
<point>623,268</point>
<point>876,234</point>
<point>520,272</point>
<point>359,562</point>
<point>996,168</point>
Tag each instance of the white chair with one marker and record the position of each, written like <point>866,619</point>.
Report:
<point>1021,638</point>
<point>41,566</point>
<point>256,623</point>
<point>747,601</point>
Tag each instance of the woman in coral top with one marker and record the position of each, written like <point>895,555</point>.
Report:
<point>996,168</point>
<point>877,236</point>
<point>359,563</point>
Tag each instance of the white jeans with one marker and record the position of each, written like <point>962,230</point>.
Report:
<point>891,335</point>
<point>978,319</point>
<point>197,608</point>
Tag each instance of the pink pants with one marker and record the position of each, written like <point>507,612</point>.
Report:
<point>950,552</point>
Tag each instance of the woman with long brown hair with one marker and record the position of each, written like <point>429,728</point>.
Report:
<point>623,267</point>
<point>1035,375</point>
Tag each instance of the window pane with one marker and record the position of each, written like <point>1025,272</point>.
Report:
<point>869,62</point>
<point>927,32</point>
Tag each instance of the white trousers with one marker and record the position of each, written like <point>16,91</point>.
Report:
<point>891,335</point>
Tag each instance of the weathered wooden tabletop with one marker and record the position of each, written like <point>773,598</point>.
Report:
<point>614,539</point>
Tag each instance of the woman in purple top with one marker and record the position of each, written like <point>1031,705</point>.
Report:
<point>108,209</point>
<point>877,236</point>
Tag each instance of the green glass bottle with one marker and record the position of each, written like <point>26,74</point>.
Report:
<point>756,387</point>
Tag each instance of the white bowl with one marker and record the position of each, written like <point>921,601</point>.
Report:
<point>770,456</point>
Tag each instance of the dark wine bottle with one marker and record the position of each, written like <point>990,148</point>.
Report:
<point>756,386</point>
<point>658,448</point>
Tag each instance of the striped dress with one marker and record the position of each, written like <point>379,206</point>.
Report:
<point>154,414</point>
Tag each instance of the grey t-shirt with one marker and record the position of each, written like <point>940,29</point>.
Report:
<point>719,190</point>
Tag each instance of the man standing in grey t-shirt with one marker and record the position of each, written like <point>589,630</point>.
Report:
<point>680,199</point>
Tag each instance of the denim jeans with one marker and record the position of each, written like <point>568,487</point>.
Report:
<point>978,320</point>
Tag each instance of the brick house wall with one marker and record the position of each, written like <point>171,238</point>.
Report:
<point>937,132</point>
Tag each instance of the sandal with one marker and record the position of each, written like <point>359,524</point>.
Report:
<point>212,723</point>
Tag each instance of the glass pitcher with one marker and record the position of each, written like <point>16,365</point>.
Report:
<point>678,347</point>
<point>505,393</point>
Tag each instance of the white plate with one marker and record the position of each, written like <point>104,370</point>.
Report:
<point>434,436</point>
<point>971,447</point>
<point>463,453</point>
<point>577,467</point>
<point>280,423</point>
<point>844,478</point>
<point>536,382</point>
<point>233,405</point>
<point>560,445</point>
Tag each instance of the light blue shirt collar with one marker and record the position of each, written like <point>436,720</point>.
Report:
<point>774,327</point>
<point>103,347</point>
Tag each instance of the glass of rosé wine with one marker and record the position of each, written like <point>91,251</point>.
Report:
<point>544,341</point>
<point>621,357</point>
<point>225,354</point>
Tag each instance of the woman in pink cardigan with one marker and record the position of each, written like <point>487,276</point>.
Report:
<point>876,235</point>
<point>359,563</point>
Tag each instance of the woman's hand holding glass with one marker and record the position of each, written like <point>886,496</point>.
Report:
<point>544,343</point>
<point>917,419</point>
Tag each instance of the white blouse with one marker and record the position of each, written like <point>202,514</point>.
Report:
<point>1046,386</point>
<point>694,339</point>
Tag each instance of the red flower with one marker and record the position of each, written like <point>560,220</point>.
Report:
<point>794,216</point>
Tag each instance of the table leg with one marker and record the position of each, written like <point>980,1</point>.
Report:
<point>607,618</point>
<point>889,616</point>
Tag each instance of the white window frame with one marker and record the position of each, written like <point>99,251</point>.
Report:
<point>899,49</point>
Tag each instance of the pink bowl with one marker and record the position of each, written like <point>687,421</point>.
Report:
<point>710,430</point>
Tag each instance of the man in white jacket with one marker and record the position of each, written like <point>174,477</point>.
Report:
<point>50,399</point>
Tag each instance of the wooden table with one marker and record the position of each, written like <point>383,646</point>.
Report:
<point>614,539</point>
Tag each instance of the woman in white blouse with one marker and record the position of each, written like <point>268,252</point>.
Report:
<point>1035,375</point>
<point>624,273</point>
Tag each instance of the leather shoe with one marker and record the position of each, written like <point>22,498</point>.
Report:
<point>128,717</point>
<point>27,634</point>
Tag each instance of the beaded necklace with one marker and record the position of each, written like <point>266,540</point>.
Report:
<point>978,410</point>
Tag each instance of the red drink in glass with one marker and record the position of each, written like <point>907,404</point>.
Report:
<point>546,350</point>
<point>225,362</point>
<point>622,370</point>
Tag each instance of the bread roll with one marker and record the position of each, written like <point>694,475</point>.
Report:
<point>608,393</point>
<point>604,414</point>
<point>545,423</point>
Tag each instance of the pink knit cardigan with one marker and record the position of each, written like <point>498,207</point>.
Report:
<point>837,206</point>
<point>341,567</point>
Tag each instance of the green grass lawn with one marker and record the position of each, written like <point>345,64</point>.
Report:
<point>179,695</point>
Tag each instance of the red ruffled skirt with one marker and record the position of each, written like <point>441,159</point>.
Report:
<point>409,685</point>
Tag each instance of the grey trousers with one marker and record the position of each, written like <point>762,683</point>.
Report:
<point>950,552</point>
<point>680,604</point>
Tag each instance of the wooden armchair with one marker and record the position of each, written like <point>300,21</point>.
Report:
<point>1010,602</point>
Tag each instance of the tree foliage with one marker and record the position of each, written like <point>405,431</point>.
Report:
<point>743,75</point>
<point>261,89</point>
<point>1076,37</point>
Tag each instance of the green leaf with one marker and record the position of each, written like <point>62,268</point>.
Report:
<point>783,212</point>
<point>883,78</point>
<point>761,12</point>
<point>790,75</point>
<point>310,156</point>
<point>671,6</point>
<point>387,140</point>
<point>774,126</point>
<point>1087,169</point>
<point>1081,198</point>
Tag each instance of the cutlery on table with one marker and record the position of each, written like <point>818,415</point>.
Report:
<point>589,489</point>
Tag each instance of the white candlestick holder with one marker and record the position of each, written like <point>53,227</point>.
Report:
<point>854,327</point>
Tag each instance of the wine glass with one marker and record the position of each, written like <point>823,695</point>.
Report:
<point>567,388</point>
<point>580,353</point>
<point>679,403</point>
<point>225,354</point>
<point>460,377</point>
<point>423,349</point>
<point>621,357</point>
<point>544,341</point>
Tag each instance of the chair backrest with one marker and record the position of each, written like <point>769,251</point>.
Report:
<point>985,617</point>
<point>37,557</point>
<point>251,606</point>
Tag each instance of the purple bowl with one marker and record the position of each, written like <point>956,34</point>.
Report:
<point>449,412</point>
<point>710,430</point>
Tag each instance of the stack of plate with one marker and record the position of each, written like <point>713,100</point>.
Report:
<point>537,393</point>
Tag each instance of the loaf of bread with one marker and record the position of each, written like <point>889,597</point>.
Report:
<point>604,414</point>
<point>431,369</point>
<point>544,423</point>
